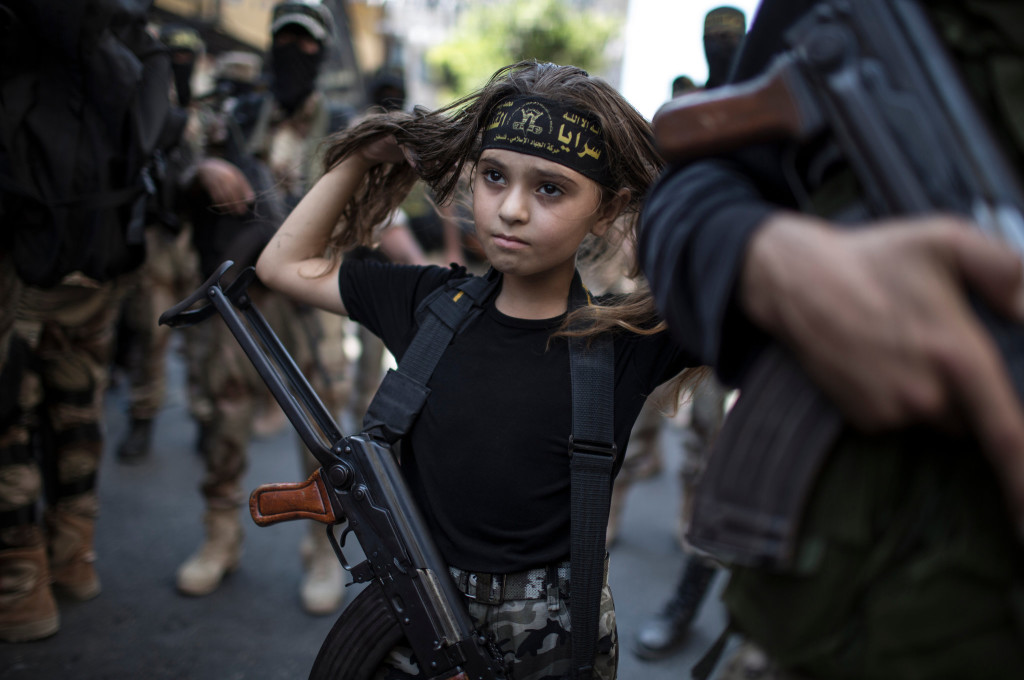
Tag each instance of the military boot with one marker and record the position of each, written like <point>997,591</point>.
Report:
<point>323,587</point>
<point>665,633</point>
<point>218,556</point>
<point>70,535</point>
<point>136,444</point>
<point>27,608</point>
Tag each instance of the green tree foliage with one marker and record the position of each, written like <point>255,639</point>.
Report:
<point>494,34</point>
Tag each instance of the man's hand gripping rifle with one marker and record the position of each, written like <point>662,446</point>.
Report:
<point>873,78</point>
<point>360,484</point>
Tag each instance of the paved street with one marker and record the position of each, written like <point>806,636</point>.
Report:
<point>253,626</point>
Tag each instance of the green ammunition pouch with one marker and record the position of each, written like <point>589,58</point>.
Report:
<point>907,567</point>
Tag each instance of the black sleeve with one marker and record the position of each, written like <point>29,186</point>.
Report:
<point>384,297</point>
<point>698,220</point>
<point>696,225</point>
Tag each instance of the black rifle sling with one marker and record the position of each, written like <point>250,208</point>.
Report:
<point>403,392</point>
<point>592,455</point>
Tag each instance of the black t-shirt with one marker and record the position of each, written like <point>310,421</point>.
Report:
<point>487,460</point>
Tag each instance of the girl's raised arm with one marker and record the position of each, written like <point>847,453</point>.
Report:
<point>295,262</point>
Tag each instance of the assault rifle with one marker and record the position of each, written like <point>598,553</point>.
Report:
<point>871,77</point>
<point>409,591</point>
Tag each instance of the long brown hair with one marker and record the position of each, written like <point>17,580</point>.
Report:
<point>444,144</point>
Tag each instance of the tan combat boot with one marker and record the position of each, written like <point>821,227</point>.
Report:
<point>27,608</point>
<point>323,587</point>
<point>70,535</point>
<point>219,554</point>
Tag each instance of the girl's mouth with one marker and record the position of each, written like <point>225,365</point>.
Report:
<point>507,241</point>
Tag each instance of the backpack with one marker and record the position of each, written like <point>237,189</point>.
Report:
<point>84,106</point>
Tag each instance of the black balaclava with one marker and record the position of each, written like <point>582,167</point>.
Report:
<point>724,28</point>
<point>185,45</point>
<point>182,69</point>
<point>720,51</point>
<point>294,74</point>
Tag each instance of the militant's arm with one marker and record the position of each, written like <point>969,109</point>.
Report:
<point>696,226</point>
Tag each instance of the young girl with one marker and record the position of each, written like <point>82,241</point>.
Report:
<point>553,157</point>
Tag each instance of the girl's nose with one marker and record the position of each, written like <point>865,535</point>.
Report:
<point>514,207</point>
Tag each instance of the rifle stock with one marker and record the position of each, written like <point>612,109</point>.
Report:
<point>875,78</point>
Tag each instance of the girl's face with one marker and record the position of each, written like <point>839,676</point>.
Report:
<point>531,214</point>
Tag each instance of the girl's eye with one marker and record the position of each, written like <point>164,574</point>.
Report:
<point>492,175</point>
<point>549,190</point>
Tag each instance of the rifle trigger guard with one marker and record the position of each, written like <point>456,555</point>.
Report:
<point>362,572</point>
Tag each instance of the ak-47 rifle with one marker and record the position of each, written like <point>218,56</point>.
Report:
<point>409,593</point>
<point>873,76</point>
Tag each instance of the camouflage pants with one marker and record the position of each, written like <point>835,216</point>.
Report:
<point>369,371</point>
<point>707,412</point>
<point>643,454</point>
<point>21,479</point>
<point>235,390</point>
<point>534,638</point>
<point>168,275</point>
<point>63,336</point>
<point>908,567</point>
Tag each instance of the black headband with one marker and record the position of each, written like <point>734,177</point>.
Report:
<point>544,128</point>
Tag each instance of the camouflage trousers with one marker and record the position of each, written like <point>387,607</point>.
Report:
<point>533,635</point>
<point>908,566</point>
<point>369,371</point>
<point>55,346</point>
<point>235,390</point>
<point>707,413</point>
<point>643,454</point>
<point>169,274</point>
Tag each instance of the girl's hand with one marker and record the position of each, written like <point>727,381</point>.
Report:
<point>384,150</point>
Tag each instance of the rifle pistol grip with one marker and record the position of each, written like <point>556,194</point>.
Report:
<point>273,503</point>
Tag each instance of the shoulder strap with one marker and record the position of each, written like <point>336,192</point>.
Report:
<point>441,315</point>
<point>592,454</point>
